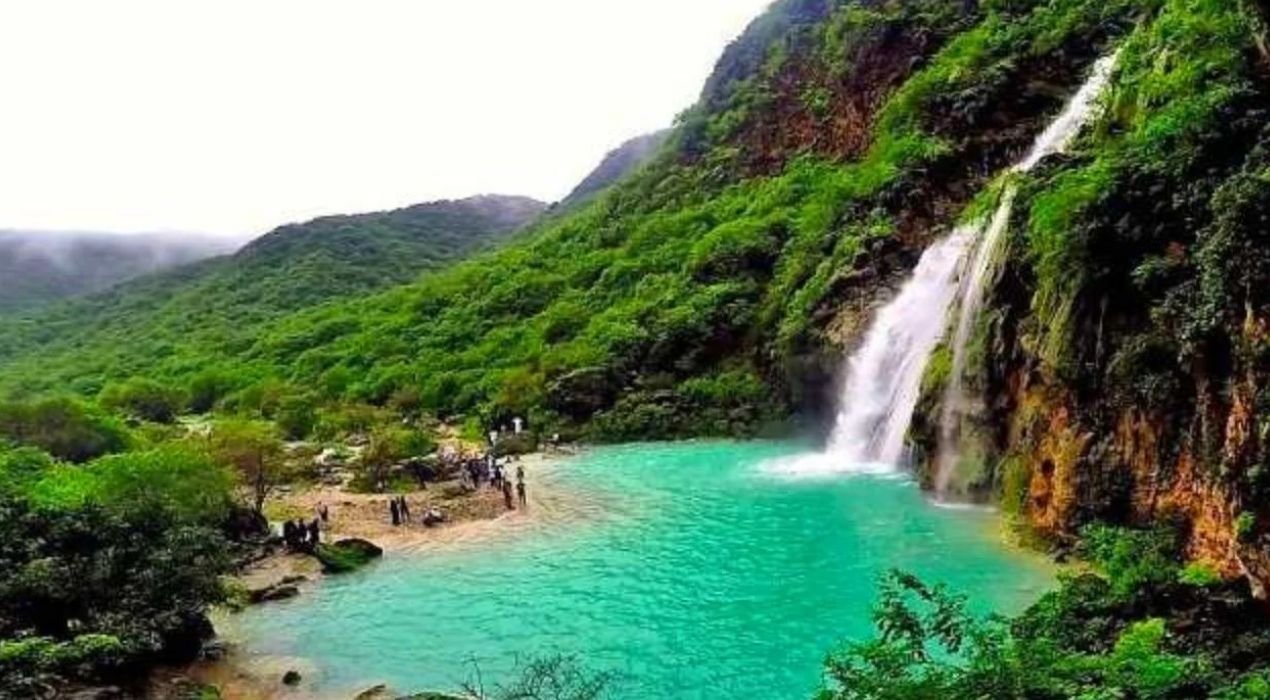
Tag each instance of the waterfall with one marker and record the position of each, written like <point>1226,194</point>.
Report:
<point>883,379</point>
<point>884,376</point>
<point>982,271</point>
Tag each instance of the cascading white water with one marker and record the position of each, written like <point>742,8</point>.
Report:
<point>884,375</point>
<point>982,272</point>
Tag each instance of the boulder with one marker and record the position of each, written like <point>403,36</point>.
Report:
<point>215,650</point>
<point>291,677</point>
<point>277,591</point>
<point>346,555</point>
<point>581,393</point>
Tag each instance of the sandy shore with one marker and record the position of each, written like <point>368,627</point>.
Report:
<point>473,519</point>
<point>470,517</point>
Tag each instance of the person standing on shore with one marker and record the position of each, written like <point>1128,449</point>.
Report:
<point>520,491</point>
<point>507,495</point>
<point>405,511</point>
<point>395,510</point>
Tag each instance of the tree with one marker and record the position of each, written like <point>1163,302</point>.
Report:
<point>547,678</point>
<point>253,450</point>
<point>386,447</point>
<point>144,399</point>
<point>65,428</point>
<point>108,564</point>
<point>297,416</point>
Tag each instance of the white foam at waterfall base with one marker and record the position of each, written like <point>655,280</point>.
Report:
<point>884,377</point>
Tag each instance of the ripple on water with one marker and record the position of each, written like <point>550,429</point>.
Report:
<point>705,578</point>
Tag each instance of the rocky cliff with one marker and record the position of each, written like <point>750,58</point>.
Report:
<point>1122,363</point>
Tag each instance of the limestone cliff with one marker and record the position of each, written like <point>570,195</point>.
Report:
<point>1123,360</point>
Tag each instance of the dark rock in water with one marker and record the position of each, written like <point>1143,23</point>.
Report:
<point>215,650</point>
<point>380,692</point>
<point>278,591</point>
<point>346,555</point>
<point>291,677</point>
<point>376,692</point>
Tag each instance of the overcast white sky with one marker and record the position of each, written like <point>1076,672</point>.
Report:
<point>231,117</point>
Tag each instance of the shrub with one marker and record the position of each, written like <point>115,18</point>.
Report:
<point>65,428</point>
<point>143,399</point>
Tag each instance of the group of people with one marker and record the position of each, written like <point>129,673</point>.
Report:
<point>399,511</point>
<point>300,536</point>
<point>503,482</point>
<point>487,468</point>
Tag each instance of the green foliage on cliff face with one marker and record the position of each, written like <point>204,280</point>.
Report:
<point>1132,634</point>
<point>1181,79</point>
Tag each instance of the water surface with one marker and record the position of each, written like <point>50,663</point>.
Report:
<point>704,576</point>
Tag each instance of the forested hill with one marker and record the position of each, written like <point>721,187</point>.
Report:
<point>617,164</point>
<point>220,304</point>
<point>38,267</point>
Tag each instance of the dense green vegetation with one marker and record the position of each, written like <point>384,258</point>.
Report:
<point>1143,626</point>
<point>710,292</point>
<point>221,305</point>
<point>108,565</point>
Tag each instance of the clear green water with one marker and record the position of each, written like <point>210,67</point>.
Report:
<point>697,575</point>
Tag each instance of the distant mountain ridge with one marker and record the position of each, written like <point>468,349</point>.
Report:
<point>39,267</point>
<point>616,164</point>
<point>223,300</point>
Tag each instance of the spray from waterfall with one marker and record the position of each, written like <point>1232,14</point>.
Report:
<point>883,378</point>
<point>983,269</point>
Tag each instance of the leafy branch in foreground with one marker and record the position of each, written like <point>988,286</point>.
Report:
<point>557,677</point>
<point>1142,627</point>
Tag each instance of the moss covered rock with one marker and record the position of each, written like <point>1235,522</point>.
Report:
<point>347,555</point>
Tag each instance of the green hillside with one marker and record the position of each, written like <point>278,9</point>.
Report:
<point>221,304</point>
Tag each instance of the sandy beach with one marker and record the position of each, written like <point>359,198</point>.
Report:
<point>472,519</point>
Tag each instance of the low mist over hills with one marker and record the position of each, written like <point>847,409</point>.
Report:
<point>42,266</point>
